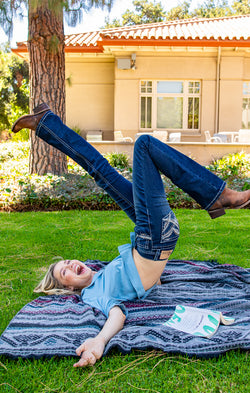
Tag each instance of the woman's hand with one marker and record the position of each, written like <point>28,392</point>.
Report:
<point>90,351</point>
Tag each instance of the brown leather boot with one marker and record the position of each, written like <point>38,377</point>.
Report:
<point>229,199</point>
<point>30,121</point>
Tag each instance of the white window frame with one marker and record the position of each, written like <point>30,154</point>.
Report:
<point>146,94</point>
<point>246,94</point>
<point>185,95</point>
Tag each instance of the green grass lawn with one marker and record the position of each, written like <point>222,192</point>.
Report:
<point>29,241</point>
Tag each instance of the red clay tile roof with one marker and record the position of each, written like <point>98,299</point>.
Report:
<point>83,40</point>
<point>237,27</point>
<point>226,31</point>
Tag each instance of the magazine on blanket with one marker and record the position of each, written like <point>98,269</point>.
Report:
<point>197,321</point>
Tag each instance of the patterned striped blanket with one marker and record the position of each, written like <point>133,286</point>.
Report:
<point>57,325</point>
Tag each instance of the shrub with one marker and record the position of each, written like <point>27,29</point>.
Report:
<point>118,160</point>
<point>232,166</point>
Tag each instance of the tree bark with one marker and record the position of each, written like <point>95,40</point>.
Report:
<point>47,81</point>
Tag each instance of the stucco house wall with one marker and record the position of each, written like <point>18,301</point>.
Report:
<point>231,84</point>
<point>90,95</point>
<point>103,97</point>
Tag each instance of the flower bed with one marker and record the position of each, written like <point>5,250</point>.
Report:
<point>20,191</point>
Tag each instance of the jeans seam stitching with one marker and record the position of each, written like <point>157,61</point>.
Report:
<point>217,196</point>
<point>149,226</point>
<point>41,122</point>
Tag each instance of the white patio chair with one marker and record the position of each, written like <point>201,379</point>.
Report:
<point>175,137</point>
<point>210,139</point>
<point>161,135</point>
<point>243,137</point>
<point>118,136</point>
<point>94,135</point>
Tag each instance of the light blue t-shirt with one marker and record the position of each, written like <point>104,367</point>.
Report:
<point>119,281</point>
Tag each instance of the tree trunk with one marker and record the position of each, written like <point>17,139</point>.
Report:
<point>47,81</point>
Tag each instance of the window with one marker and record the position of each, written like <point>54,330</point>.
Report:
<point>246,105</point>
<point>193,105</point>
<point>170,105</point>
<point>146,104</point>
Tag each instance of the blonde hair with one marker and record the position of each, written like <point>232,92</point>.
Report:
<point>51,286</point>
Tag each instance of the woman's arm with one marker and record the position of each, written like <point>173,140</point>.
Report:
<point>92,349</point>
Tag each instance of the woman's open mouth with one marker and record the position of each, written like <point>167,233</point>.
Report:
<point>80,270</point>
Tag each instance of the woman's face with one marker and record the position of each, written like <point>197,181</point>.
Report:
<point>73,274</point>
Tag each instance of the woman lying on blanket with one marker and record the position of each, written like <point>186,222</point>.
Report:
<point>140,264</point>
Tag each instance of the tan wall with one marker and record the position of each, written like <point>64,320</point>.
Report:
<point>127,106</point>
<point>204,153</point>
<point>231,93</point>
<point>207,116</point>
<point>173,66</point>
<point>90,99</point>
<point>230,105</point>
<point>246,69</point>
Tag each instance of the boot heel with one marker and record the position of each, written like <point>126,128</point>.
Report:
<point>41,108</point>
<point>216,212</point>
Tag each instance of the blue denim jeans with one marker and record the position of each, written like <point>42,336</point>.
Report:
<point>156,227</point>
<point>144,200</point>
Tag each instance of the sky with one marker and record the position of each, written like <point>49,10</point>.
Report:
<point>93,20</point>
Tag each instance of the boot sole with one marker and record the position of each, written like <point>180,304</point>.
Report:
<point>220,212</point>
